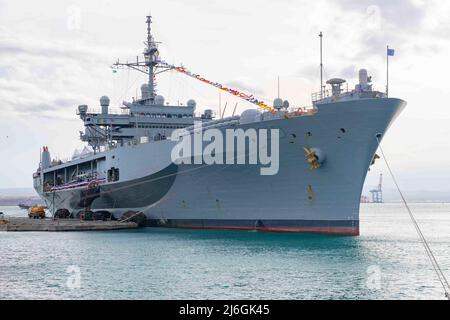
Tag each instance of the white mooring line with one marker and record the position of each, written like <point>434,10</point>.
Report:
<point>435,264</point>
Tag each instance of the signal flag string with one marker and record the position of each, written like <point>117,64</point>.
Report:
<point>248,97</point>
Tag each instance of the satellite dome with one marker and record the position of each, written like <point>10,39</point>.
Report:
<point>104,101</point>
<point>159,100</point>
<point>191,103</point>
<point>249,116</point>
<point>278,103</point>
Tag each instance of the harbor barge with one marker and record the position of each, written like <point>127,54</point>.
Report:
<point>26,224</point>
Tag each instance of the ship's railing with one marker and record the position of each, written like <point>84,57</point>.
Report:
<point>86,181</point>
<point>113,111</point>
<point>304,109</point>
<point>317,96</point>
<point>301,112</point>
<point>59,161</point>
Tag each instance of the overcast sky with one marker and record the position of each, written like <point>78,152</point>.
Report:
<point>55,55</point>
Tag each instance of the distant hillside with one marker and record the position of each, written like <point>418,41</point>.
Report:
<point>18,192</point>
<point>14,196</point>
<point>14,201</point>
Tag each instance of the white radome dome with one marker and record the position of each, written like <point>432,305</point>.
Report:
<point>278,103</point>
<point>159,100</point>
<point>104,101</point>
<point>191,103</point>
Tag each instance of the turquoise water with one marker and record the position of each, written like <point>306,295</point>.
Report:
<point>386,262</point>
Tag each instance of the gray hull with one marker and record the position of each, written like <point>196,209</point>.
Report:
<point>297,199</point>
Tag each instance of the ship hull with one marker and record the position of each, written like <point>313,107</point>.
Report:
<point>237,197</point>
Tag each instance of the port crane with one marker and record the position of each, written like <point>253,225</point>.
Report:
<point>377,193</point>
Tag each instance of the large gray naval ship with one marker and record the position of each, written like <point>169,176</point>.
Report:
<point>325,152</point>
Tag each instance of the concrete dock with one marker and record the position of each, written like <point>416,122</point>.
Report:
<point>26,224</point>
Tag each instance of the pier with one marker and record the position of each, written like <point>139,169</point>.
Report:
<point>26,224</point>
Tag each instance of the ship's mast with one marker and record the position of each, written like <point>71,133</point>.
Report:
<point>321,67</point>
<point>151,59</point>
<point>151,64</point>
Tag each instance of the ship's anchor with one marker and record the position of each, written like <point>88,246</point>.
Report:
<point>374,159</point>
<point>314,158</point>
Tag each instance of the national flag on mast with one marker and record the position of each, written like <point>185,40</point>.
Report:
<point>390,53</point>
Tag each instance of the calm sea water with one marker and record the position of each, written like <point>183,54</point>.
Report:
<point>386,262</point>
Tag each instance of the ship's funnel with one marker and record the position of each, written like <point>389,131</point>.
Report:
<point>45,160</point>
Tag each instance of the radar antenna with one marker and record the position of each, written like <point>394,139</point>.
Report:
<point>151,65</point>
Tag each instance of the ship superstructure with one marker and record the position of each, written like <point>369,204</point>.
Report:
<point>325,152</point>
<point>147,118</point>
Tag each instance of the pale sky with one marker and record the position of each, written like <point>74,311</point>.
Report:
<point>55,55</point>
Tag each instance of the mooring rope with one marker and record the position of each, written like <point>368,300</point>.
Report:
<point>435,264</point>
